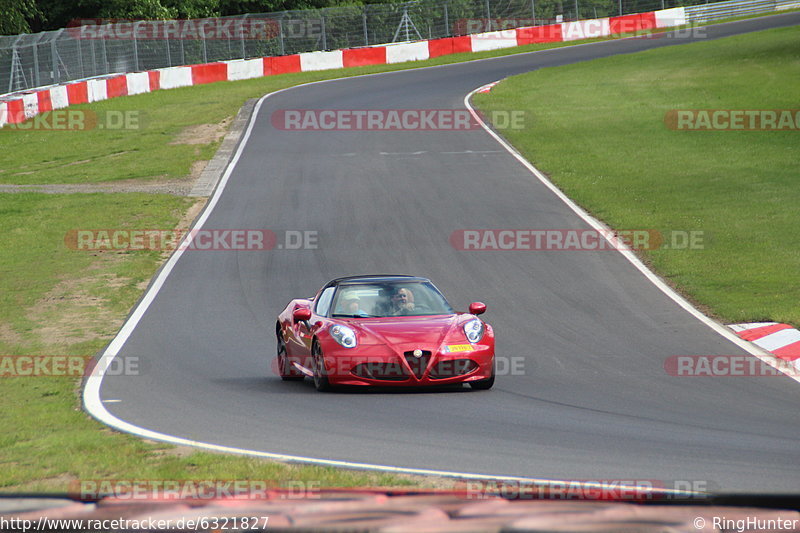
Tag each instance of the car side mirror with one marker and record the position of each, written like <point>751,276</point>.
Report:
<point>477,308</point>
<point>302,314</point>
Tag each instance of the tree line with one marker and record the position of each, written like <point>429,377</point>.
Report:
<point>30,16</point>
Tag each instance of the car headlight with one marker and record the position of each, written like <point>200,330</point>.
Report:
<point>344,336</point>
<point>474,330</point>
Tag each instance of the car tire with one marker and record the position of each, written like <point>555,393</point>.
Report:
<point>321,382</point>
<point>284,368</point>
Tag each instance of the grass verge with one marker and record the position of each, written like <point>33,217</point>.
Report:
<point>599,131</point>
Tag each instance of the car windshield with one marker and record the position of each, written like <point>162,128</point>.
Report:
<point>383,299</point>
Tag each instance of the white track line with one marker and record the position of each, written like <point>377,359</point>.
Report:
<point>604,230</point>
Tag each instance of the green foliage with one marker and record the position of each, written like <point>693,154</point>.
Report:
<point>192,9</point>
<point>15,14</point>
<point>41,15</point>
<point>25,16</point>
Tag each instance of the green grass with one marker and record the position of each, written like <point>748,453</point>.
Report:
<point>57,301</point>
<point>598,130</point>
<point>36,260</point>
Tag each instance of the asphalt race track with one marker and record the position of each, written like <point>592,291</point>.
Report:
<point>591,332</point>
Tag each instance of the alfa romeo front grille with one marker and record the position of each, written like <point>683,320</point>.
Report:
<point>417,364</point>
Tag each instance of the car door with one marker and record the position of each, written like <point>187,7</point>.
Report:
<point>301,330</point>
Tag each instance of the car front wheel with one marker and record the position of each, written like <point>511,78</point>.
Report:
<point>284,367</point>
<point>320,372</point>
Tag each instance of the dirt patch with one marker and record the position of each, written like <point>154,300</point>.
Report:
<point>197,168</point>
<point>191,213</point>
<point>194,135</point>
<point>60,484</point>
<point>79,162</point>
<point>179,187</point>
<point>69,313</point>
<point>184,224</point>
<point>8,335</point>
<point>202,133</point>
<point>72,312</point>
<point>172,451</point>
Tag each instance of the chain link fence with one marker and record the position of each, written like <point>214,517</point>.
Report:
<point>736,8</point>
<point>95,48</point>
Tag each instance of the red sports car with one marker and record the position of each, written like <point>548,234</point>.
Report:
<point>384,330</point>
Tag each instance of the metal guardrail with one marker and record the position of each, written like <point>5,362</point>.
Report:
<point>735,8</point>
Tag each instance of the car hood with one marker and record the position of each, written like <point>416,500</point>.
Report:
<point>396,331</point>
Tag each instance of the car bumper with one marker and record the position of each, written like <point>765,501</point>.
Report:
<point>378,365</point>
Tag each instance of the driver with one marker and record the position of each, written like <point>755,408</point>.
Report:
<point>402,302</point>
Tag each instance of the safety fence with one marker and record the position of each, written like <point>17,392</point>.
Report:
<point>90,48</point>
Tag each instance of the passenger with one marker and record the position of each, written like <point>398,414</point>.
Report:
<point>351,305</point>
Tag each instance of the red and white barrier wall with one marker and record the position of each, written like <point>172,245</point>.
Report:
<point>22,106</point>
